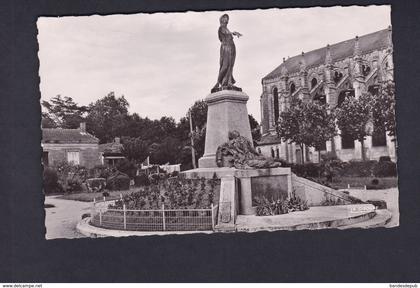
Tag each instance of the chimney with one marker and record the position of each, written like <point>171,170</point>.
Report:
<point>117,140</point>
<point>82,127</point>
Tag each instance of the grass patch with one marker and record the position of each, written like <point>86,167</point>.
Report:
<point>88,197</point>
<point>360,182</point>
<point>46,205</point>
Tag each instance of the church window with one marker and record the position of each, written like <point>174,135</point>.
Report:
<point>347,142</point>
<point>320,99</point>
<point>313,83</point>
<point>323,147</point>
<point>365,70</point>
<point>292,88</point>
<point>344,94</point>
<point>337,76</point>
<point>374,90</point>
<point>276,104</point>
<point>272,152</point>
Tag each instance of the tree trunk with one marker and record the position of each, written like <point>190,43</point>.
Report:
<point>363,150</point>
<point>303,153</point>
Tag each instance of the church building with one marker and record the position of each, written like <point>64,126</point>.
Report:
<point>328,75</point>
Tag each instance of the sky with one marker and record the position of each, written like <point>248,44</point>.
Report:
<point>163,62</point>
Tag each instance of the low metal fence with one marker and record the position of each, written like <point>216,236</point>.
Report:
<point>154,220</point>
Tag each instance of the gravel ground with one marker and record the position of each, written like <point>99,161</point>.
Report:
<point>62,219</point>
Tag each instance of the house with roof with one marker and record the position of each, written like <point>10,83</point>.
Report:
<point>328,75</point>
<point>74,146</point>
<point>111,153</point>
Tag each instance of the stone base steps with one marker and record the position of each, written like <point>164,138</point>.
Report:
<point>381,219</point>
<point>342,217</point>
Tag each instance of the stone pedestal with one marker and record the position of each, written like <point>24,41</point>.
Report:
<point>226,112</point>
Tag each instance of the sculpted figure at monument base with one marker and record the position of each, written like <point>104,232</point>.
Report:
<point>239,152</point>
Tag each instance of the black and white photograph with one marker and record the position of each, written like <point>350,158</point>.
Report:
<point>218,122</point>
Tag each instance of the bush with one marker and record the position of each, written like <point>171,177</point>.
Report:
<point>307,170</point>
<point>385,169</point>
<point>174,174</point>
<point>141,180</point>
<point>127,167</point>
<point>50,181</point>
<point>71,177</point>
<point>358,168</point>
<point>266,207</point>
<point>118,181</point>
<point>384,159</point>
<point>100,171</point>
<point>96,184</point>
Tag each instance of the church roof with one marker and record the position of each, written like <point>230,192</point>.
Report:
<point>59,135</point>
<point>367,43</point>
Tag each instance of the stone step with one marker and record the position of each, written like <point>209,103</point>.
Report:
<point>381,218</point>
<point>315,218</point>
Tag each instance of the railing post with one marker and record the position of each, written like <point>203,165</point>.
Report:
<point>212,216</point>
<point>163,217</point>
<point>125,217</point>
<point>100,217</point>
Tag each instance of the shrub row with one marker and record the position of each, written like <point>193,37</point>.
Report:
<point>66,178</point>
<point>352,169</point>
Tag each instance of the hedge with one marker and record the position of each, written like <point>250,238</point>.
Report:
<point>353,169</point>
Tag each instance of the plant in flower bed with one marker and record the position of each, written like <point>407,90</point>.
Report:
<point>177,195</point>
<point>266,207</point>
<point>174,193</point>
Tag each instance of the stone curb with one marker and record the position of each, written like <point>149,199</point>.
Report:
<point>328,224</point>
<point>381,218</point>
<point>88,230</point>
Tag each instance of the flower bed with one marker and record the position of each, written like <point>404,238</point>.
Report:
<point>174,204</point>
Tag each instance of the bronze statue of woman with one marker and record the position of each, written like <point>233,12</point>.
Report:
<point>225,79</point>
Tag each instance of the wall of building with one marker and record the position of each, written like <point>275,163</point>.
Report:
<point>88,153</point>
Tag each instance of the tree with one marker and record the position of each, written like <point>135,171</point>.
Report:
<point>63,112</point>
<point>135,149</point>
<point>255,128</point>
<point>168,151</point>
<point>306,123</point>
<point>108,117</point>
<point>355,117</point>
<point>384,108</point>
<point>47,122</point>
<point>321,125</point>
<point>198,114</point>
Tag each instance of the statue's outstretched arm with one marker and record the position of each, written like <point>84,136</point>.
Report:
<point>237,34</point>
